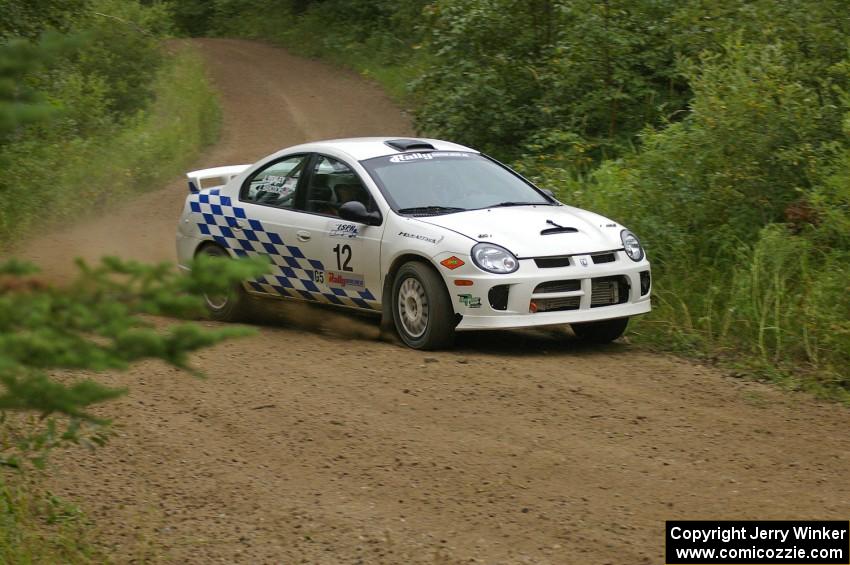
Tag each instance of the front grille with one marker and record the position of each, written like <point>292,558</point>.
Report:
<point>556,304</point>
<point>498,297</point>
<point>606,291</point>
<point>558,286</point>
<point>552,262</point>
<point>566,261</point>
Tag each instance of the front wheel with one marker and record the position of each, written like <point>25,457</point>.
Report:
<point>421,308</point>
<point>603,331</point>
<point>230,306</point>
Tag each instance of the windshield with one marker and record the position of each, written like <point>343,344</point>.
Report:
<point>442,182</point>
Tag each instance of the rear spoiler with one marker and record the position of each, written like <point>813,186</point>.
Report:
<point>196,178</point>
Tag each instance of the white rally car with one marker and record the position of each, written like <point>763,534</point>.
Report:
<point>434,236</point>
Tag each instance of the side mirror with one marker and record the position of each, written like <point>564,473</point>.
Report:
<point>548,192</point>
<point>355,211</point>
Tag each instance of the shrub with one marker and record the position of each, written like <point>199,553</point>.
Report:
<point>743,207</point>
<point>85,173</point>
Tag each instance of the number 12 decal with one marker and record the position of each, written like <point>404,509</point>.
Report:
<point>341,250</point>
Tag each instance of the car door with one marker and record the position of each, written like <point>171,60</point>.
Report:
<point>271,227</point>
<point>349,253</point>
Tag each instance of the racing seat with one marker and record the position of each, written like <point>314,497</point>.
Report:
<point>348,192</point>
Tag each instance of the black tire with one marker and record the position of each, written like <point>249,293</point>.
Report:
<point>604,331</point>
<point>232,307</point>
<point>421,308</point>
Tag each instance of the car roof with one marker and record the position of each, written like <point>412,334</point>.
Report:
<point>362,148</point>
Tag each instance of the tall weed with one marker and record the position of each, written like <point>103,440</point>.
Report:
<point>54,181</point>
<point>39,527</point>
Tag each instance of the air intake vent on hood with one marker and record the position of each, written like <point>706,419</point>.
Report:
<point>409,145</point>
<point>559,229</point>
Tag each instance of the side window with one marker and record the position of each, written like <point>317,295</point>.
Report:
<point>332,184</point>
<point>275,184</point>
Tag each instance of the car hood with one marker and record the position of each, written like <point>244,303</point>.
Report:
<point>518,229</point>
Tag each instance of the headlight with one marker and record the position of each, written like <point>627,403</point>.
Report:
<point>632,245</point>
<point>494,259</point>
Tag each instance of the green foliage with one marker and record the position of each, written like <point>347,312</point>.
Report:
<point>38,527</point>
<point>31,18</point>
<point>757,138</point>
<point>21,104</point>
<point>122,52</point>
<point>94,112</point>
<point>816,30</point>
<point>26,439</point>
<point>94,324</point>
<point>502,72</point>
<point>792,312</point>
<point>192,16</point>
<point>86,173</point>
<point>104,61</point>
<point>743,205</point>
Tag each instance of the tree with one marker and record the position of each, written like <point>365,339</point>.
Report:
<point>96,323</point>
<point>21,104</point>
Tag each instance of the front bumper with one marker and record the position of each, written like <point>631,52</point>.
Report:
<point>578,296</point>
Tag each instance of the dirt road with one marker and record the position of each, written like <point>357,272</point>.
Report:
<point>318,443</point>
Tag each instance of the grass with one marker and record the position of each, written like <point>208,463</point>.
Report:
<point>59,181</point>
<point>762,325</point>
<point>38,527</point>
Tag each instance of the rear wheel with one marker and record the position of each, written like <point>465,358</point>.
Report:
<point>603,331</point>
<point>230,306</point>
<point>421,308</point>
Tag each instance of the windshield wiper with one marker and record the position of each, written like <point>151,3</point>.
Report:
<point>430,210</point>
<point>501,204</point>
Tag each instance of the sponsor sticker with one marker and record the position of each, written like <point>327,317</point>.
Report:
<point>278,185</point>
<point>469,301</point>
<point>342,229</point>
<point>276,180</point>
<point>335,279</point>
<point>407,157</point>
<point>452,263</point>
<point>434,240</point>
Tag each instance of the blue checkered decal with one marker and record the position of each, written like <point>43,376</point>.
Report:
<point>291,274</point>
